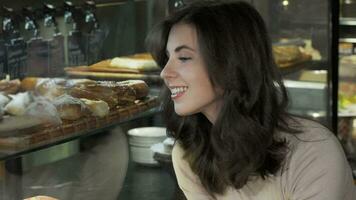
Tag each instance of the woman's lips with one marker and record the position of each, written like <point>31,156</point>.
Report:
<point>177,92</point>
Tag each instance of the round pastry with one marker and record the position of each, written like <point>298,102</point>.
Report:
<point>10,87</point>
<point>29,83</point>
<point>17,106</point>
<point>70,108</point>
<point>50,87</point>
<point>98,108</point>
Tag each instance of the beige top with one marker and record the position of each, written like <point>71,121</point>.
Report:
<point>315,169</point>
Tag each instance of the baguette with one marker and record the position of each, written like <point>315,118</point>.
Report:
<point>95,93</point>
<point>114,93</point>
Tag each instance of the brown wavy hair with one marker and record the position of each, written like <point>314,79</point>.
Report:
<point>242,143</point>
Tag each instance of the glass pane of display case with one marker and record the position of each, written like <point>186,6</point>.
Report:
<point>62,43</point>
<point>93,157</point>
<point>347,79</point>
<point>301,39</point>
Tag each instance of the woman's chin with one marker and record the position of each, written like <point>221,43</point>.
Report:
<point>183,113</point>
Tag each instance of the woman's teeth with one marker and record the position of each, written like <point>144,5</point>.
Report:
<point>178,90</point>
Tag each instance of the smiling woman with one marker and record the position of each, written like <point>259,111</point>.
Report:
<point>225,105</point>
<point>186,76</point>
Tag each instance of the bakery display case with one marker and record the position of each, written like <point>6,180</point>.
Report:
<point>303,46</point>
<point>320,79</point>
<point>86,49</point>
<point>75,78</point>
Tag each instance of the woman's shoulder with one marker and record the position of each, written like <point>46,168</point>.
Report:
<point>316,163</point>
<point>310,131</point>
<point>314,142</point>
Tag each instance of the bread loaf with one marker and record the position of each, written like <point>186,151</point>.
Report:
<point>139,87</point>
<point>95,92</point>
<point>113,93</point>
<point>70,108</point>
<point>10,87</point>
<point>131,64</point>
<point>29,83</point>
<point>97,108</point>
<point>127,91</point>
<point>50,88</point>
<point>17,106</point>
<point>286,53</point>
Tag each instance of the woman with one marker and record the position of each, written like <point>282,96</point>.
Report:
<point>225,105</point>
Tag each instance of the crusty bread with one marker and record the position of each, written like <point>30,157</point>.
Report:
<point>41,198</point>
<point>98,108</point>
<point>127,91</point>
<point>10,86</point>
<point>29,83</point>
<point>70,111</point>
<point>131,64</point>
<point>70,108</point>
<point>140,87</point>
<point>50,87</point>
<point>287,53</point>
<point>112,92</point>
<point>104,63</point>
<point>141,64</point>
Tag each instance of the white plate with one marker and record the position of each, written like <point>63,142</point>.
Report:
<point>147,132</point>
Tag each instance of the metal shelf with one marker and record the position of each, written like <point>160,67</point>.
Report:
<point>347,21</point>
<point>349,40</point>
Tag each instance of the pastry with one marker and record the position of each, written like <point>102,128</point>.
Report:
<point>4,99</point>
<point>97,108</point>
<point>69,108</point>
<point>113,93</point>
<point>44,110</point>
<point>10,87</point>
<point>17,106</point>
<point>131,64</point>
<point>50,87</point>
<point>29,83</point>
<point>139,87</point>
<point>141,64</point>
<point>75,82</point>
<point>286,53</point>
<point>95,92</point>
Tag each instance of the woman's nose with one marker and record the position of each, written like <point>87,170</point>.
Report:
<point>168,71</point>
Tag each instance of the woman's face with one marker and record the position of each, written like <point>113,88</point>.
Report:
<point>186,76</point>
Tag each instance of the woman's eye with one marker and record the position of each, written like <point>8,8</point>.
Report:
<point>184,59</point>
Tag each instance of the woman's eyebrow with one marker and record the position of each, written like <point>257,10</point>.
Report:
<point>177,49</point>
